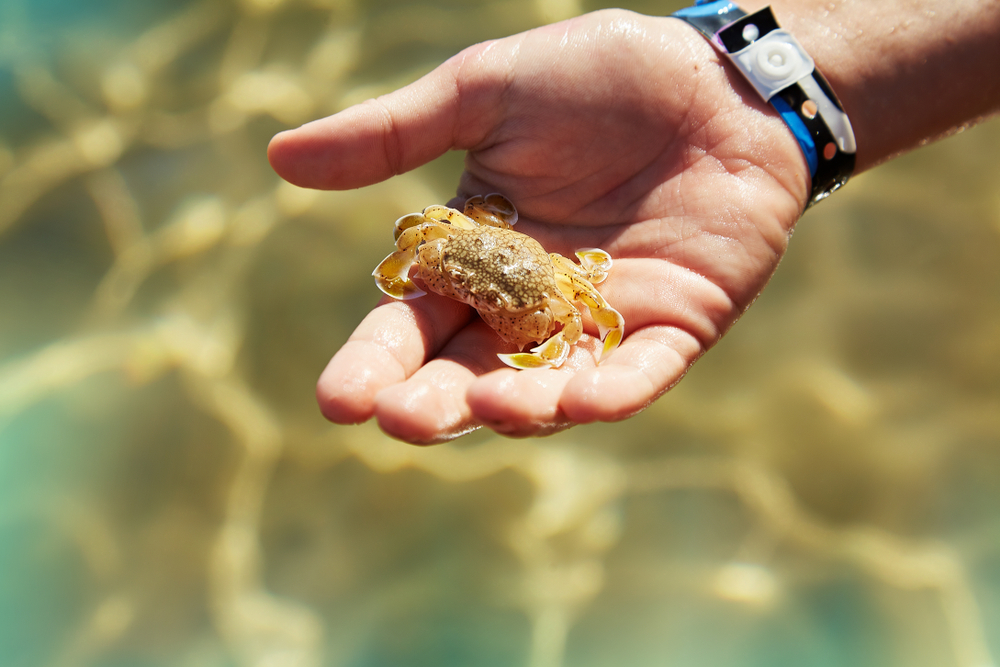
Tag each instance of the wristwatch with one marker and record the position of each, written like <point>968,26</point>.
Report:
<point>781,71</point>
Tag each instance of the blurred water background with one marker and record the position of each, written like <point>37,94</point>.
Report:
<point>823,488</point>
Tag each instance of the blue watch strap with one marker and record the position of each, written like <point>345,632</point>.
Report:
<point>710,17</point>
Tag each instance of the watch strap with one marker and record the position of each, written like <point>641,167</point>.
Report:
<point>784,75</point>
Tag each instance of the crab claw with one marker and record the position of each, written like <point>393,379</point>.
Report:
<point>610,323</point>
<point>596,264</point>
<point>448,216</point>
<point>407,221</point>
<point>392,275</point>
<point>494,210</point>
<point>550,354</point>
<point>611,326</point>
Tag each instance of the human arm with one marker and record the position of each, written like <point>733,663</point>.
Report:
<point>907,71</point>
<point>624,132</point>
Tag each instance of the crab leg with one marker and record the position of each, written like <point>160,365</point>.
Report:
<point>444,214</point>
<point>550,354</point>
<point>593,267</point>
<point>392,275</point>
<point>408,221</point>
<point>596,264</point>
<point>553,352</point>
<point>494,210</point>
<point>610,323</point>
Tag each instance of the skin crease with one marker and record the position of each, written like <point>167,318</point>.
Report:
<point>623,132</point>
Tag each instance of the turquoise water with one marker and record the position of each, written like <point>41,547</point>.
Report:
<point>822,489</point>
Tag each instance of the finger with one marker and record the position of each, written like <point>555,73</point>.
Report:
<point>431,407</point>
<point>655,292</point>
<point>671,315</point>
<point>526,403</point>
<point>532,403</point>
<point>539,402</point>
<point>389,345</point>
<point>647,364</point>
<point>520,403</point>
<point>392,134</point>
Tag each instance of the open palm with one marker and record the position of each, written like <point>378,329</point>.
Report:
<point>611,130</point>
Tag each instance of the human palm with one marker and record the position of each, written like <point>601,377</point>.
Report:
<point>612,130</point>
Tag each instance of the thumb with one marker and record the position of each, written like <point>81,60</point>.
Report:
<point>376,139</point>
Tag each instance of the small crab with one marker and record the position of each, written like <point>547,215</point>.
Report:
<point>521,291</point>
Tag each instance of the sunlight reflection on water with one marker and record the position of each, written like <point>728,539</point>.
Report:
<point>823,489</point>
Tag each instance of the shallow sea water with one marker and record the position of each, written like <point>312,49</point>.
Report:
<point>822,489</point>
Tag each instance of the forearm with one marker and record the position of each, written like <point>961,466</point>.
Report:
<point>907,71</point>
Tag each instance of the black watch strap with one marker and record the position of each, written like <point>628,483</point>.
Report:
<point>785,76</point>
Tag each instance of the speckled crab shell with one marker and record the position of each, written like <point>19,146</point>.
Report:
<point>524,293</point>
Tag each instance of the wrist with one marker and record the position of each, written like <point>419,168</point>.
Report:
<point>906,71</point>
<point>782,72</point>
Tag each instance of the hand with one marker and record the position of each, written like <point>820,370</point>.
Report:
<point>611,130</point>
